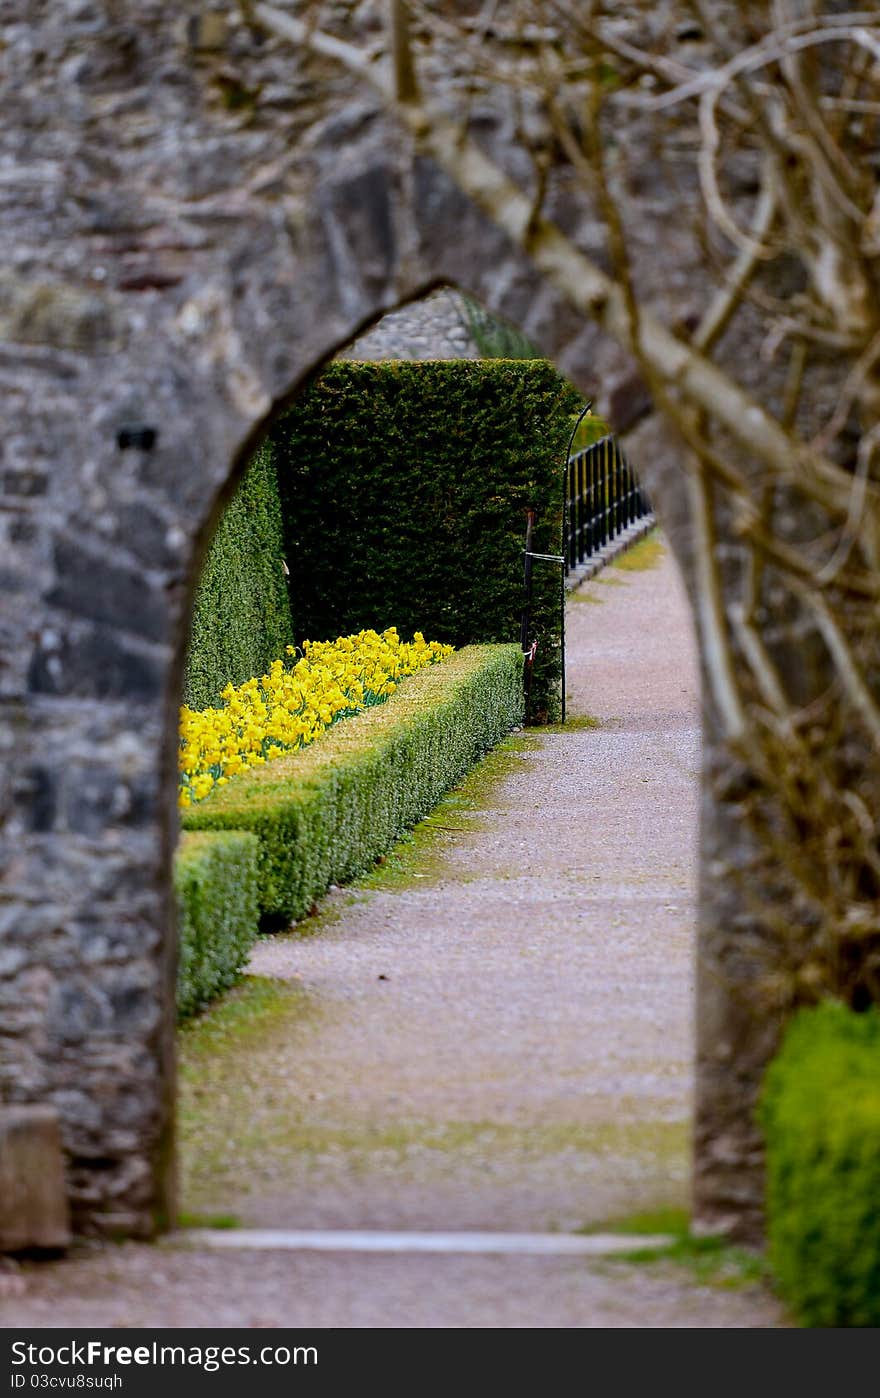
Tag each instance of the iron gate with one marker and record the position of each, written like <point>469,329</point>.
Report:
<point>602,498</point>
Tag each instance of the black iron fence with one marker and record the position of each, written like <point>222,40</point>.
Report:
<point>602,498</point>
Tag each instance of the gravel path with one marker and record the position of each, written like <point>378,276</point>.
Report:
<point>497,1038</point>
<point>141,1286</point>
<point>526,1063</point>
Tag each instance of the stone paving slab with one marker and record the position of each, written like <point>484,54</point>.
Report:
<point>365,1240</point>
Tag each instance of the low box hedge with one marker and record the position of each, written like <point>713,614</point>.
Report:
<point>215,880</point>
<point>324,815</point>
<point>820,1111</point>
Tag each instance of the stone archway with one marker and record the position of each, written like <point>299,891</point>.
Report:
<point>195,271</point>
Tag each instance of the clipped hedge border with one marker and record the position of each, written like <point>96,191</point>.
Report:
<point>820,1111</point>
<point>215,879</point>
<point>325,814</point>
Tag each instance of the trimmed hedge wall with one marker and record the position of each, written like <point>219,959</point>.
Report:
<point>215,879</point>
<point>820,1112</point>
<point>241,615</point>
<point>325,814</point>
<point>404,489</point>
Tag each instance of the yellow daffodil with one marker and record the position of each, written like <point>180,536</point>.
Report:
<point>288,708</point>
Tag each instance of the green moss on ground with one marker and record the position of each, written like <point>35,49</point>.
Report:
<point>247,1130</point>
<point>326,914</point>
<point>246,1124</point>
<point>421,856</point>
<point>224,1222</point>
<point>671,1221</point>
<point>218,1083</point>
<point>711,1261</point>
<point>573,724</point>
<point>248,1009</point>
<point>646,554</point>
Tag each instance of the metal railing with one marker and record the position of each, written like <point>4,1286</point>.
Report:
<point>602,498</point>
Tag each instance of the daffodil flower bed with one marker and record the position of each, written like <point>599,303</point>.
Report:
<point>324,816</point>
<point>294,703</point>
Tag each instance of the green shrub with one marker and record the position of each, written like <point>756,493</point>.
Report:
<point>215,880</point>
<point>404,489</point>
<point>325,814</point>
<point>241,613</point>
<point>820,1112</point>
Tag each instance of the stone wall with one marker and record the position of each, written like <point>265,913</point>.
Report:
<point>195,218</point>
<point>433,328</point>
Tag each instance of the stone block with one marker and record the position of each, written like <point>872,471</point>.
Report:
<point>33,1194</point>
<point>110,593</point>
<point>95,662</point>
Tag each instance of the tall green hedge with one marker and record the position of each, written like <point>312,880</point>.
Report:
<point>820,1112</point>
<point>404,489</point>
<point>215,880</point>
<point>325,814</point>
<point>241,618</point>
